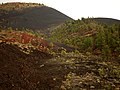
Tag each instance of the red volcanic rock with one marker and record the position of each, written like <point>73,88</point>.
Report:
<point>34,41</point>
<point>11,40</point>
<point>25,38</point>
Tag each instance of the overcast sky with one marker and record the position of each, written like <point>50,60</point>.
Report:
<point>81,8</point>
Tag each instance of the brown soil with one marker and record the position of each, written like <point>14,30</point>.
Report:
<point>19,71</point>
<point>41,71</point>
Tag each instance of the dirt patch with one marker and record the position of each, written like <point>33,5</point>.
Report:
<point>41,71</point>
<point>21,71</point>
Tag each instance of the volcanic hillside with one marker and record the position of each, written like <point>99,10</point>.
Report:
<point>18,61</point>
<point>78,55</point>
<point>24,40</point>
<point>25,64</point>
<point>30,16</point>
<point>89,36</point>
<point>109,21</point>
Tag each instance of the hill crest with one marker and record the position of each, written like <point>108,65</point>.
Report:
<point>18,5</point>
<point>37,17</point>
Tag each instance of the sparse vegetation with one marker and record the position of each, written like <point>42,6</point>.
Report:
<point>78,55</point>
<point>87,35</point>
<point>18,6</point>
<point>32,16</point>
<point>24,40</point>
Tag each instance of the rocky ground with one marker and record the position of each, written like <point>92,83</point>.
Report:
<point>68,71</point>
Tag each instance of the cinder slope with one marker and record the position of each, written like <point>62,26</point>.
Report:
<point>36,18</point>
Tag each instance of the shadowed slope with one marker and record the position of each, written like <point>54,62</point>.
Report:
<point>107,20</point>
<point>36,18</point>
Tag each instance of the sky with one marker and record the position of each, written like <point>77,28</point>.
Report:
<point>77,9</point>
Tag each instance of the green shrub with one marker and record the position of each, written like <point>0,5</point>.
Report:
<point>106,52</point>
